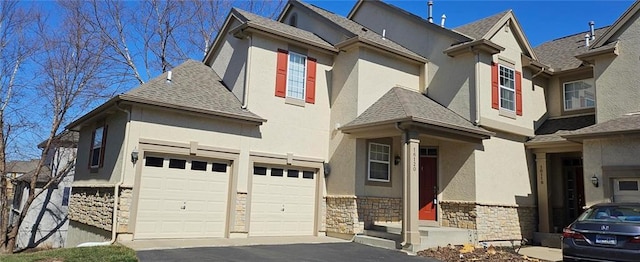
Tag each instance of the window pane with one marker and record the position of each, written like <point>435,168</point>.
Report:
<point>293,173</point>
<point>217,167</point>
<point>65,196</point>
<point>379,171</point>
<point>628,185</point>
<point>260,171</point>
<point>154,161</point>
<point>296,76</point>
<point>307,174</point>
<point>199,165</point>
<point>95,157</point>
<point>97,137</point>
<point>579,95</point>
<point>277,172</point>
<point>507,100</point>
<point>177,163</point>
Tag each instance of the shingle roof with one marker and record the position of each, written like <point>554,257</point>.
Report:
<point>281,28</point>
<point>400,104</point>
<point>561,53</point>
<point>193,87</point>
<point>479,28</point>
<point>553,129</point>
<point>359,30</point>
<point>21,166</point>
<point>624,124</point>
<point>45,175</point>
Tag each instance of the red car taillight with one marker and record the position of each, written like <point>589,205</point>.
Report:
<point>635,239</point>
<point>568,233</point>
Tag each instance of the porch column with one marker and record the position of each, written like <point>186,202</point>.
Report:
<point>544,209</point>
<point>410,227</point>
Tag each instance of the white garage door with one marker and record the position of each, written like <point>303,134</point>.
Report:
<point>626,190</point>
<point>282,202</point>
<point>182,198</point>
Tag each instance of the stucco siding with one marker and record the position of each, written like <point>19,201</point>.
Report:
<point>618,78</point>
<point>230,60</point>
<point>611,152</point>
<point>112,164</point>
<point>504,174</point>
<point>342,147</point>
<point>315,24</point>
<point>378,73</point>
<point>457,171</point>
<point>393,188</point>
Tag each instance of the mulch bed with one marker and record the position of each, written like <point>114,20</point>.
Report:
<point>471,253</point>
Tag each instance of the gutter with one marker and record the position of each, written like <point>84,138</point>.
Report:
<point>247,74</point>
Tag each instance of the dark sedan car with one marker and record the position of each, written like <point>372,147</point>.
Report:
<point>604,232</point>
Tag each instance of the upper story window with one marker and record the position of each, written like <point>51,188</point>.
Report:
<point>296,76</point>
<point>579,95</point>
<point>507,88</point>
<point>97,146</point>
<point>293,20</point>
<point>379,162</point>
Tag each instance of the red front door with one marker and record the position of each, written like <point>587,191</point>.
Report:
<point>428,189</point>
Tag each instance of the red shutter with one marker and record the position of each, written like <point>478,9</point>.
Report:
<point>495,98</point>
<point>93,136</point>
<point>103,145</point>
<point>311,80</point>
<point>281,73</point>
<point>518,93</point>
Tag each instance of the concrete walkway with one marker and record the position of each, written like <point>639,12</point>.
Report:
<point>546,253</point>
<point>155,244</point>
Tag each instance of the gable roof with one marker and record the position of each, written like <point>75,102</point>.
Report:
<point>560,54</point>
<point>478,29</point>
<point>21,166</point>
<point>357,31</point>
<point>400,104</point>
<point>617,25</point>
<point>194,87</point>
<point>626,124</point>
<point>257,21</point>
<point>553,129</point>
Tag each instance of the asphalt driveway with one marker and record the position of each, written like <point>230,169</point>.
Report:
<point>295,252</point>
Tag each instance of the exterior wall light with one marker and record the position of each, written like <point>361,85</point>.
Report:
<point>396,160</point>
<point>134,156</point>
<point>594,180</point>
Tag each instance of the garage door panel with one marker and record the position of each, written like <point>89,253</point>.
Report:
<point>181,203</point>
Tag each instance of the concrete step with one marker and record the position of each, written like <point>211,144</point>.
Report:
<point>435,238</point>
<point>382,234</point>
<point>376,242</point>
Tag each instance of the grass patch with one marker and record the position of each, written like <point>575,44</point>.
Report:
<point>79,254</point>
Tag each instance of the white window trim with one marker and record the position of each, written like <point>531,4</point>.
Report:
<point>304,81</point>
<point>500,87</point>
<point>369,161</point>
<point>564,95</point>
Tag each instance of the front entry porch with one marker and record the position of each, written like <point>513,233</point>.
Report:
<point>389,235</point>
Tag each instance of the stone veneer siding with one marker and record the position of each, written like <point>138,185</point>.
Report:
<point>93,206</point>
<point>240,225</point>
<point>342,215</point>
<point>379,209</point>
<point>492,222</point>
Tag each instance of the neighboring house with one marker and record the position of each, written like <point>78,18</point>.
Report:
<point>322,124</point>
<point>15,169</point>
<point>46,223</point>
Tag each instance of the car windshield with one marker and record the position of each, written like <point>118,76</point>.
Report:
<point>624,214</point>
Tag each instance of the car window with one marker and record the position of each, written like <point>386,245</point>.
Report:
<point>625,214</point>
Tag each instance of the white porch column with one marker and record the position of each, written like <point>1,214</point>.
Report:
<point>410,227</point>
<point>544,209</point>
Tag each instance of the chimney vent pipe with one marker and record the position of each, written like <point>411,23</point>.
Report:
<point>587,37</point>
<point>444,17</point>
<point>430,9</point>
<point>592,30</point>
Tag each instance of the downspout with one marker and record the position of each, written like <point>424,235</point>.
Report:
<point>477,120</point>
<point>116,188</point>
<point>537,74</point>
<point>247,74</point>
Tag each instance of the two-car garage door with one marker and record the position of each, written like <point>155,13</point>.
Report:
<point>182,197</point>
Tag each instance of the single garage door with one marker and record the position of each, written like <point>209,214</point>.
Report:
<point>182,197</point>
<point>282,202</point>
<point>626,190</point>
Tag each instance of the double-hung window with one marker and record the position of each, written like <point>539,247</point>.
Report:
<point>579,95</point>
<point>507,88</point>
<point>379,162</point>
<point>97,146</point>
<point>296,75</point>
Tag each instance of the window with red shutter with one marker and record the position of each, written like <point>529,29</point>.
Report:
<point>311,81</point>
<point>518,93</point>
<point>494,86</point>
<point>281,72</point>
<point>296,76</point>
